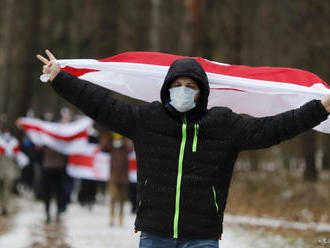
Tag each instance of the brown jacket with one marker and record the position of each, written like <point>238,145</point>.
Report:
<point>119,148</point>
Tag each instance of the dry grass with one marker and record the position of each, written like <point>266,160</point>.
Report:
<point>279,195</point>
<point>282,195</point>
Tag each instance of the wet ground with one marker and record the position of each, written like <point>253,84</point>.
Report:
<point>82,228</point>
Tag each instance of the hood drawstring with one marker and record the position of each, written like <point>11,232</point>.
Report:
<point>194,147</point>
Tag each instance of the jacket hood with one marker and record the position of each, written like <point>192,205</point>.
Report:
<point>187,67</point>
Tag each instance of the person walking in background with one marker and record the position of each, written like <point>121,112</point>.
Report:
<point>119,148</point>
<point>50,180</point>
<point>27,174</point>
<point>66,116</point>
<point>87,187</point>
<point>9,170</point>
<point>53,178</point>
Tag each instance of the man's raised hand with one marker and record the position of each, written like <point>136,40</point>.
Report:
<point>326,102</point>
<point>51,66</point>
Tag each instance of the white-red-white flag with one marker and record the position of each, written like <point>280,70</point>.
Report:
<point>91,164</point>
<point>257,91</point>
<point>66,138</point>
<point>85,160</point>
<point>9,146</point>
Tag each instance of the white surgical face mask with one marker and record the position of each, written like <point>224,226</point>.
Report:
<point>183,98</point>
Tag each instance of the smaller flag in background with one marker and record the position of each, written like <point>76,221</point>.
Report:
<point>91,164</point>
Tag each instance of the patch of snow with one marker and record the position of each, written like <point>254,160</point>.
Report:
<point>19,235</point>
<point>242,237</point>
<point>275,223</point>
<point>87,229</point>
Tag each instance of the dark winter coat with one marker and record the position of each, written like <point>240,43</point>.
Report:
<point>185,161</point>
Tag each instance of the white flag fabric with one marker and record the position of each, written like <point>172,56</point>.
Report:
<point>22,159</point>
<point>256,91</point>
<point>65,138</point>
<point>9,146</point>
<point>91,164</point>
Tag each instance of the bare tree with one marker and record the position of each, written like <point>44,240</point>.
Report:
<point>25,92</point>
<point>6,61</point>
<point>155,25</point>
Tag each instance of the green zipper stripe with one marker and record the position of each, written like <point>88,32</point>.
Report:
<point>178,180</point>
<point>215,199</point>
<point>194,148</point>
<point>145,182</point>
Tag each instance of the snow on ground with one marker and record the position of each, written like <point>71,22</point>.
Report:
<point>19,235</point>
<point>242,237</point>
<point>91,228</point>
<point>81,228</point>
<point>268,222</point>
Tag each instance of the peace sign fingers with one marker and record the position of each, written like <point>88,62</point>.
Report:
<point>50,55</point>
<point>51,65</point>
<point>43,59</point>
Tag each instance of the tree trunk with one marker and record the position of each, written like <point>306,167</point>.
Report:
<point>238,36</point>
<point>254,160</point>
<point>308,146</point>
<point>194,7</point>
<point>8,23</point>
<point>30,63</point>
<point>325,162</point>
<point>155,25</point>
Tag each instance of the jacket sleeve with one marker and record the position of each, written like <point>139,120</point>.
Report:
<point>255,133</point>
<point>97,103</point>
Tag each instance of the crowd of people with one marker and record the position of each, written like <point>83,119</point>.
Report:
<point>46,172</point>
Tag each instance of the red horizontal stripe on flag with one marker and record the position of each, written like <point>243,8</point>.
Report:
<point>82,134</point>
<point>81,160</point>
<point>227,89</point>
<point>275,74</point>
<point>2,150</point>
<point>16,149</point>
<point>150,58</point>
<point>77,71</point>
<point>132,165</point>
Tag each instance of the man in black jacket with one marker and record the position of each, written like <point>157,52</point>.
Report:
<point>185,152</point>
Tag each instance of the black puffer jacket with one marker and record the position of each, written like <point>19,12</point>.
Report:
<point>185,161</point>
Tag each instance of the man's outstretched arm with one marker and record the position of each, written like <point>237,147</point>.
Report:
<point>94,101</point>
<point>255,133</point>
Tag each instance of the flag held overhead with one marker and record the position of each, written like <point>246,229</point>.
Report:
<point>256,91</point>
